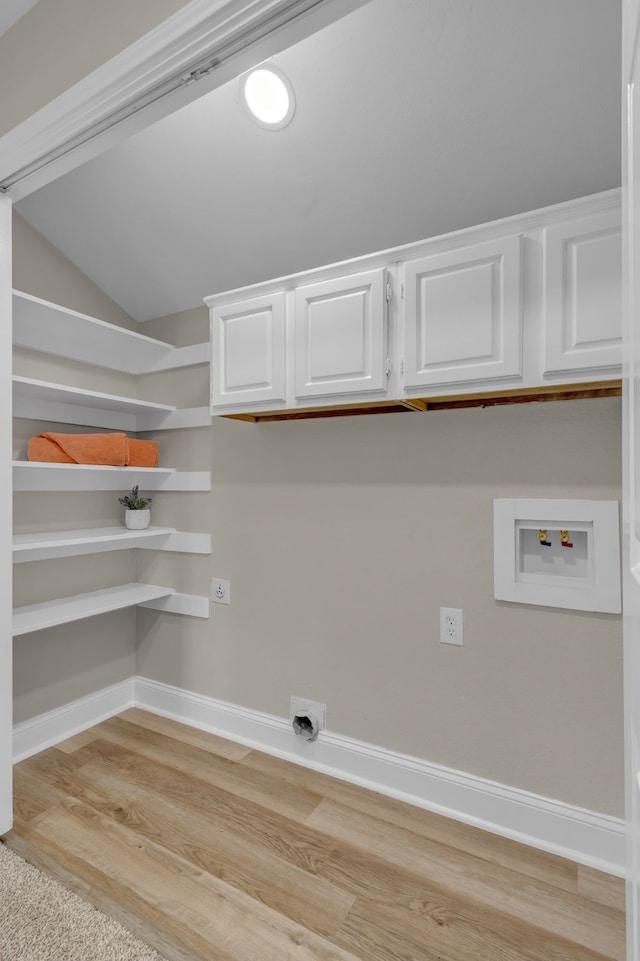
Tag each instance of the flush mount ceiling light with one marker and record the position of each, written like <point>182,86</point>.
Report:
<point>268,97</point>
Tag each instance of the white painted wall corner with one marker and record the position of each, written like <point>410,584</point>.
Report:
<point>48,729</point>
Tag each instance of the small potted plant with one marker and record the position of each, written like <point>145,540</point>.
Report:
<point>137,514</point>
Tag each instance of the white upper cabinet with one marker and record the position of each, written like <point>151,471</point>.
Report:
<point>297,344</point>
<point>526,304</point>
<point>463,315</point>
<point>582,293</point>
<point>341,336</point>
<point>248,351</point>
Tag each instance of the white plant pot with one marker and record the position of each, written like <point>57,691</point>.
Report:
<point>137,520</point>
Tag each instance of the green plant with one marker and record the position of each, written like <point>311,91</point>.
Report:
<point>133,500</point>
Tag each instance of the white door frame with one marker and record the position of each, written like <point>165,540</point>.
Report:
<point>631,458</point>
<point>6,640</point>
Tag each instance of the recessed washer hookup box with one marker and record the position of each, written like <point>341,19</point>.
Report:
<point>557,553</point>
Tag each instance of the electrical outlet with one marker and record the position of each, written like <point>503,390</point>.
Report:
<point>220,591</point>
<point>451,625</point>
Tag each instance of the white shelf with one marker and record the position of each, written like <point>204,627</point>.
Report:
<point>51,329</point>
<point>63,610</point>
<point>36,476</point>
<point>44,545</point>
<point>48,544</point>
<point>41,400</point>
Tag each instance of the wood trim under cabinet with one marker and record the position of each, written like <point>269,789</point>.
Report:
<point>521,395</point>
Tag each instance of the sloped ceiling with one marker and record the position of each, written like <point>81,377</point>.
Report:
<point>414,118</point>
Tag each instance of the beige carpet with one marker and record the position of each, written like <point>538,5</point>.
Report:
<point>40,920</point>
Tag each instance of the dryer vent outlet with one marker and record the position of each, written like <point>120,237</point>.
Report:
<point>307,718</point>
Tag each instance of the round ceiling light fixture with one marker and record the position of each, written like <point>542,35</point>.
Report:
<point>268,96</point>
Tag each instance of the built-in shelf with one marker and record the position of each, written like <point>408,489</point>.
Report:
<point>62,610</point>
<point>52,329</point>
<point>36,476</point>
<point>41,400</point>
<point>44,545</point>
<point>47,328</point>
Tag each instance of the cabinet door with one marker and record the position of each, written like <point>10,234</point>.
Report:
<point>341,336</point>
<point>248,352</point>
<point>463,315</point>
<point>582,294</point>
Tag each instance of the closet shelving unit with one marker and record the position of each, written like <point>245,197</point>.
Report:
<point>51,329</point>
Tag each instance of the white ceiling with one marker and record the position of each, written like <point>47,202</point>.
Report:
<point>414,117</point>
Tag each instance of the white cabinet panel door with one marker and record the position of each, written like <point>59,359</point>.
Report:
<point>340,334</point>
<point>248,352</point>
<point>582,294</point>
<point>463,315</point>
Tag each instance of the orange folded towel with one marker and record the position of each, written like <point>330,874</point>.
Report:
<point>109,449</point>
<point>115,450</point>
<point>142,453</point>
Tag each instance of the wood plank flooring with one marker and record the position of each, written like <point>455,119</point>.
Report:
<point>213,852</point>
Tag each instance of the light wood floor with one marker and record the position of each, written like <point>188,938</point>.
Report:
<point>208,850</point>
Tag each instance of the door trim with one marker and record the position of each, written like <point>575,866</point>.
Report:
<point>200,47</point>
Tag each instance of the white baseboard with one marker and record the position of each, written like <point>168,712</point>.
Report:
<point>48,729</point>
<point>587,837</point>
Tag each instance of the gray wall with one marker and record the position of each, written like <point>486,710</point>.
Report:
<point>343,537</point>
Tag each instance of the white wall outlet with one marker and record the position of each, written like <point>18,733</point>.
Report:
<point>301,704</point>
<point>220,591</point>
<point>451,625</point>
